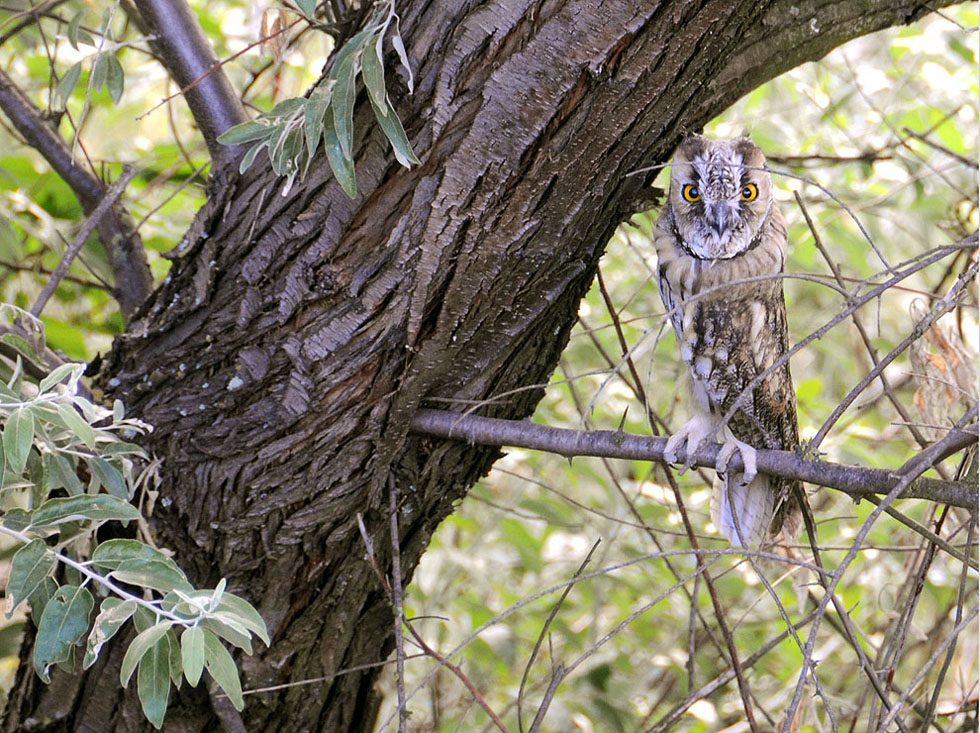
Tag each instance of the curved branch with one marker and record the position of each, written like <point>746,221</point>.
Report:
<point>190,59</point>
<point>133,281</point>
<point>855,481</point>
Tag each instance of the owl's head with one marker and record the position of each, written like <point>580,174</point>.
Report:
<point>721,197</point>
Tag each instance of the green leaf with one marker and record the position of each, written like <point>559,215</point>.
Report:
<point>342,167</point>
<point>18,437</point>
<point>308,7</point>
<point>73,25</point>
<point>395,133</point>
<point>62,473</point>
<point>222,668</point>
<point>250,155</point>
<point>343,105</point>
<point>229,629</point>
<point>66,86</point>
<point>399,46</point>
<point>160,576</point>
<point>245,614</point>
<point>192,653</point>
<point>176,667</point>
<point>63,622</point>
<point>153,681</point>
<point>58,374</point>
<point>113,613</point>
<point>31,565</point>
<point>17,520</point>
<point>115,79</point>
<point>100,71</point>
<point>77,424</point>
<point>40,597</point>
<point>112,553</point>
<point>373,73</point>
<point>109,476</point>
<point>75,508</point>
<point>246,132</point>
<point>316,110</point>
<point>140,646</point>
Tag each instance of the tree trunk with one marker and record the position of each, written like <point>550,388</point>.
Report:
<point>283,358</point>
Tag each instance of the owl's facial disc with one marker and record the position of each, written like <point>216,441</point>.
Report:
<point>719,211</point>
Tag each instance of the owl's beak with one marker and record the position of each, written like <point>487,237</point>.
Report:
<point>718,216</point>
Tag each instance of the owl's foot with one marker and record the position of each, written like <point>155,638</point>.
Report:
<point>689,437</point>
<point>728,449</point>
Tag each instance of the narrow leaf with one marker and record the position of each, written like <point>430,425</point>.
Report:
<point>395,133</point>
<point>151,574</point>
<point>343,105</point>
<point>66,86</point>
<point>222,668</point>
<point>61,473</point>
<point>63,622</point>
<point>76,508</point>
<point>111,553</point>
<point>153,681</point>
<point>40,597</point>
<point>113,613</point>
<point>192,654</point>
<point>31,565</point>
<point>399,46</point>
<point>77,424</point>
<point>73,27</point>
<point>246,132</point>
<point>109,476</point>
<point>342,167</point>
<point>100,71</point>
<point>115,79</point>
<point>245,614</point>
<point>316,109</point>
<point>140,646</point>
<point>373,73</point>
<point>250,156</point>
<point>59,373</point>
<point>230,630</point>
<point>18,436</point>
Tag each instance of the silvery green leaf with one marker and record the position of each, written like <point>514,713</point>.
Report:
<point>59,373</point>
<point>115,79</point>
<point>192,654</point>
<point>373,73</point>
<point>76,508</point>
<point>18,437</point>
<point>308,7</point>
<point>222,668</point>
<point>75,423</point>
<point>31,565</point>
<point>250,155</point>
<point>113,613</point>
<point>246,132</point>
<point>153,681</point>
<point>395,133</point>
<point>399,46</point>
<point>100,71</point>
<point>139,647</point>
<point>316,110</point>
<point>63,622</point>
<point>342,166</point>
<point>66,86</point>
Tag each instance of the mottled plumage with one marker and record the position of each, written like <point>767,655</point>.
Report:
<point>718,238</point>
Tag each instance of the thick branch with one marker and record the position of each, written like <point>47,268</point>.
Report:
<point>189,58</point>
<point>852,480</point>
<point>127,258</point>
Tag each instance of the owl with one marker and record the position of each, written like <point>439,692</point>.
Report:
<point>721,246</point>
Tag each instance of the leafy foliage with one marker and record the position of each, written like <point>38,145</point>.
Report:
<point>291,131</point>
<point>67,471</point>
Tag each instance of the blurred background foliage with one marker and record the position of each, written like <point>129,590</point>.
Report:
<point>887,123</point>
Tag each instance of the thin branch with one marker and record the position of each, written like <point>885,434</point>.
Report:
<point>544,632</point>
<point>133,281</point>
<point>188,56</point>
<point>855,481</point>
<point>396,602</point>
<point>111,196</point>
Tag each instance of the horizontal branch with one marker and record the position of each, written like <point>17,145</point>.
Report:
<point>854,481</point>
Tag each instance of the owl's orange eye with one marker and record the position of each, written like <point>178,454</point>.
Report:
<point>691,193</point>
<point>750,192</point>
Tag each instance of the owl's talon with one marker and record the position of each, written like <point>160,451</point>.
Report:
<point>690,436</point>
<point>728,449</point>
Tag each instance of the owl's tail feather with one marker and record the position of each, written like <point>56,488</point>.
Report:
<point>743,512</point>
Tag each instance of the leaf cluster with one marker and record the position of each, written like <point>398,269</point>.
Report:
<point>67,470</point>
<point>291,131</point>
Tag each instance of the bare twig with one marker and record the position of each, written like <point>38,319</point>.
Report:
<point>396,601</point>
<point>111,196</point>
<point>544,632</point>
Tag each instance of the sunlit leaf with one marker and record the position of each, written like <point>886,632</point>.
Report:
<point>31,565</point>
<point>192,654</point>
<point>75,508</point>
<point>113,614</point>
<point>143,642</point>
<point>18,436</point>
<point>153,681</point>
<point>221,667</point>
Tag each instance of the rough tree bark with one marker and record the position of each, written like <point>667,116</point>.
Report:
<point>283,358</point>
